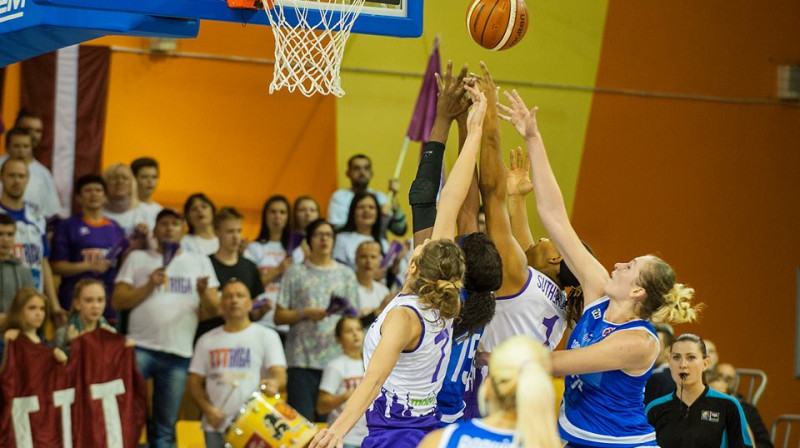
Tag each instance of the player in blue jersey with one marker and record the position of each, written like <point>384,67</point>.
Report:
<point>517,399</point>
<point>613,347</point>
<point>406,347</point>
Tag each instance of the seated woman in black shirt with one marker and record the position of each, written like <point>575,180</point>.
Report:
<point>695,416</point>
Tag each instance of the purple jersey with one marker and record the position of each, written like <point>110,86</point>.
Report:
<point>77,239</point>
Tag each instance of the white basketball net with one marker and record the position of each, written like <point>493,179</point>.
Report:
<point>308,56</point>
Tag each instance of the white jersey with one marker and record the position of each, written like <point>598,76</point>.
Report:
<point>412,386</point>
<point>538,311</point>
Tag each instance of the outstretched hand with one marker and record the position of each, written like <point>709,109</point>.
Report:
<point>487,84</point>
<point>452,100</point>
<point>478,109</point>
<point>518,114</point>
<point>518,180</point>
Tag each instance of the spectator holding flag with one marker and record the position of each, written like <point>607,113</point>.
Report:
<point>167,291</point>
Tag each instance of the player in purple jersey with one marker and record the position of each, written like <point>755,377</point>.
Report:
<point>613,347</point>
<point>402,347</point>
<point>81,244</point>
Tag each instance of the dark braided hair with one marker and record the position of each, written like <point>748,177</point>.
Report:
<point>484,275</point>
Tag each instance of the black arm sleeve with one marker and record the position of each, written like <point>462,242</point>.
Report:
<point>425,188</point>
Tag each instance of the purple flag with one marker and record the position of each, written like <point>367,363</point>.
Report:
<point>419,129</point>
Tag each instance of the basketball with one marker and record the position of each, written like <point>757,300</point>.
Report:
<point>497,24</point>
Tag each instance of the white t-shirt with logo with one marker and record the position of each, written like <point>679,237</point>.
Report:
<point>233,365</point>
<point>342,375</point>
<point>167,319</point>
<point>129,219</point>
<point>268,255</point>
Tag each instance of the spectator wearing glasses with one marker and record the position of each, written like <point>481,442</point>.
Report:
<point>304,298</point>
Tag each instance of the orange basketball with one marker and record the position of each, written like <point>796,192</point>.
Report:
<point>497,24</point>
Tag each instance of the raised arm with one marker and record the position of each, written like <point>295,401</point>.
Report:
<point>400,330</point>
<point>550,202</point>
<point>467,221</point>
<point>493,191</point>
<point>457,185</point>
<point>518,183</point>
<point>425,188</point>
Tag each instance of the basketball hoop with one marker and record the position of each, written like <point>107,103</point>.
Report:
<point>308,54</point>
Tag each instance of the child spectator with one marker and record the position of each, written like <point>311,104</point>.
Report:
<point>342,375</point>
<point>29,311</point>
<point>199,212</point>
<point>146,172</point>
<point>89,301</point>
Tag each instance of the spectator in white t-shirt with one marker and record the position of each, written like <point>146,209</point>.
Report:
<point>269,253</point>
<point>359,171</point>
<point>165,298</point>
<point>231,362</point>
<point>41,190</point>
<point>122,204</point>
<point>371,293</point>
<point>341,377</point>
<point>146,172</point>
<point>201,238</point>
<point>306,211</point>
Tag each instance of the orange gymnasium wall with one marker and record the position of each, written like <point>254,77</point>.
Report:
<point>713,187</point>
<point>213,126</point>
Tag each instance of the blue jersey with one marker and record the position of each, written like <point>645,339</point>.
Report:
<point>451,398</point>
<point>77,239</point>
<point>605,409</point>
<point>475,433</point>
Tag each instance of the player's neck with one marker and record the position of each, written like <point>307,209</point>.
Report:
<point>5,255</point>
<point>502,420</point>
<point>236,325</point>
<point>619,313</point>
<point>145,199</point>
<point>364,229</point>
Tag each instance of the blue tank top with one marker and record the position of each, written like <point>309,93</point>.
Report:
<point>475,433</point>
<point>605,409</point>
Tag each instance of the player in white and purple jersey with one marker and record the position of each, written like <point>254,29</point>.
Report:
<point>613,347</point>
<point>408,346</point>
<point>531,300</point>
<point>517,398</point>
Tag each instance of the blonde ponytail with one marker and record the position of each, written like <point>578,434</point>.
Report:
<point>677,307</point>
<point>666,301</point>
<point>519,372</point>
<point>442,295</point>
